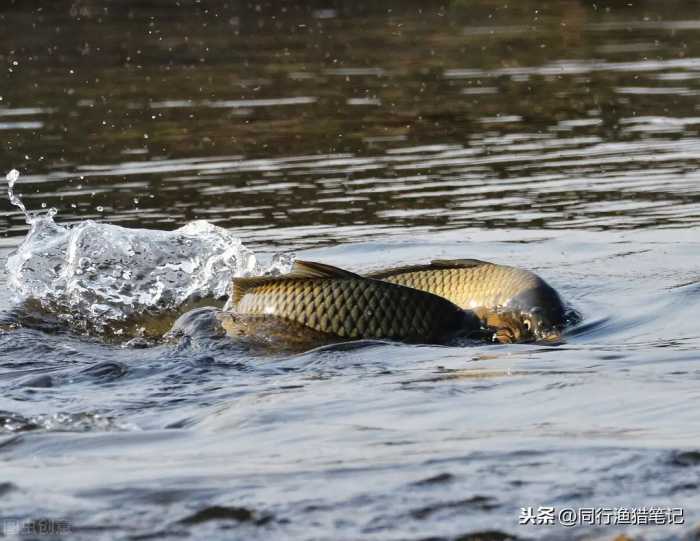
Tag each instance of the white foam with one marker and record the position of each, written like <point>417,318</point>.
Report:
<point>103,272</point>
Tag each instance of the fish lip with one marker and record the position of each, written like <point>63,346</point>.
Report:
<point>519,326</point>
<point>554,336</point>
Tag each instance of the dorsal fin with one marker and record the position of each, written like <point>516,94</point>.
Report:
<point>436,264</point>
<point>300,269</point>
<point>240,286</point>
<point>313,269</point>
<point>458,263</point>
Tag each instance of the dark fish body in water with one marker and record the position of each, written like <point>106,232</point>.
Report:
<point>338,304</point>
<point>503,296</point>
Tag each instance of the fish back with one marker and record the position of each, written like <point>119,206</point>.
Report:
<point>473,284</point>
<point>356,308</point>
<point>485,285</point>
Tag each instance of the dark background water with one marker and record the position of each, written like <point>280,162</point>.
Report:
<point>558,136</point>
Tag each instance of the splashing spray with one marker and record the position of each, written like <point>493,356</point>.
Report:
<point>12,178</point>
<point>29,217</point>
<point>91,274</point>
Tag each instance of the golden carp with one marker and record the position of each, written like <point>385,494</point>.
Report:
<point>517,303</point>
<point>331,304</point>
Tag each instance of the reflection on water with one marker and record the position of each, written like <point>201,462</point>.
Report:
<point>356,121</point>
<point>562,137</point>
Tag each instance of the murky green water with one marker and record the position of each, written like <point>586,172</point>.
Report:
<point>561,137</point>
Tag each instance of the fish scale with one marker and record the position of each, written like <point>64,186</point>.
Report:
<point>356,307</point>
<point>501,295</point>
<point>487,284</point>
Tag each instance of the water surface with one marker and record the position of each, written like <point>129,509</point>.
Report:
<point>564,138</point>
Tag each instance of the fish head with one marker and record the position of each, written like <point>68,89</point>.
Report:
<point>521,326</point>
<point>541,310</point>
<point>541,324</point>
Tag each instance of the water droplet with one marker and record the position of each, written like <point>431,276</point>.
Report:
<point>281,264</point>
<point>12,177</point>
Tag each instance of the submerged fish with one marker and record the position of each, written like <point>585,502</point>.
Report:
<point>326,303</point>
<point>517,303</point>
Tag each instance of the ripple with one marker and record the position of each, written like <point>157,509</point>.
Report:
<point>563,139</point>
<point>61,422</point>
<point>26,125</point>
<point>232,104</point>
<point>25,111</point>
<point>578,67</point>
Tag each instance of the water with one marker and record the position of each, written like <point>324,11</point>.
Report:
<point>561,138</point>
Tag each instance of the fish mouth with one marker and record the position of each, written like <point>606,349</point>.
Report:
<point>515,326</point>
<point>519,334</point>
<point>507,327</point>
<point>553,336</point>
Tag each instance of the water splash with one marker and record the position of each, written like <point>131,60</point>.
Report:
<point>62,422</point>
<point>12,177</point>
<point>280,264</point>
<point>96,273</point>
